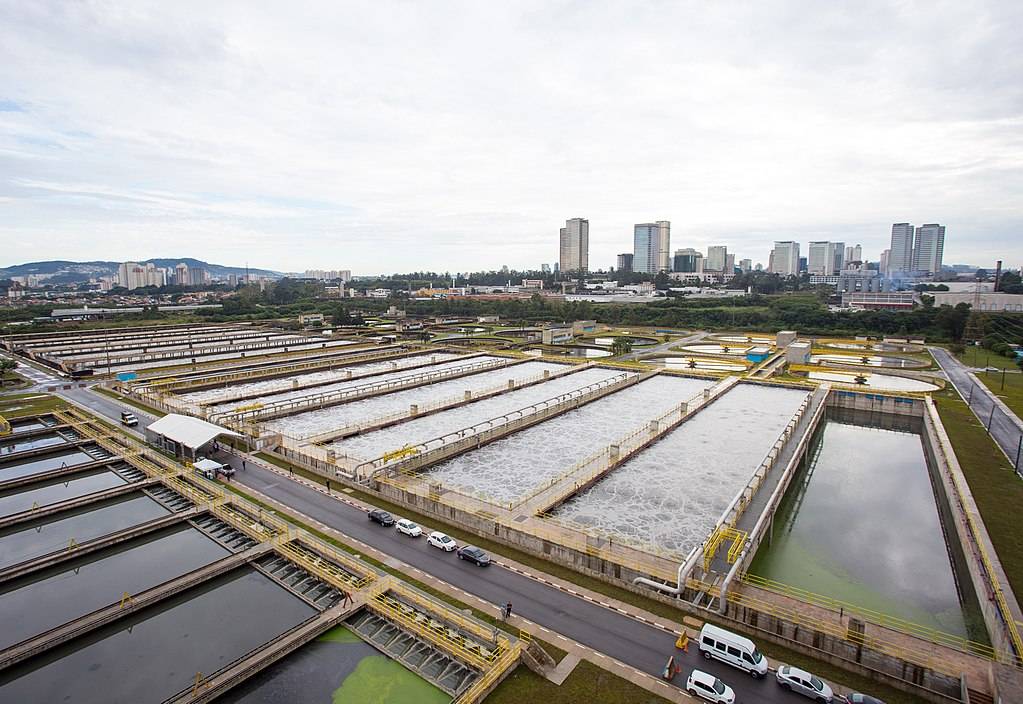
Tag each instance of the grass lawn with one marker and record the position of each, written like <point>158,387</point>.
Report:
<point>979,357</point>
<point>775,652</point>
<point>18,405</point>
<point>1008,386</point>
<point>995,487</point>
<point>129,400</point>
<point>12,381</point>
<point>587,683</point>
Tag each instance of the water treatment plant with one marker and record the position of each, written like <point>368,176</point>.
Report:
<point>801,491</point>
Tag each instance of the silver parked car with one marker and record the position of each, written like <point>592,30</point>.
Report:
<point>802,682</point>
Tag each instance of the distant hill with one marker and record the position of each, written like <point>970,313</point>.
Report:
<point>67,272</point>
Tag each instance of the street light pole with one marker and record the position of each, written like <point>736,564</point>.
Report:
<point>991,416</point>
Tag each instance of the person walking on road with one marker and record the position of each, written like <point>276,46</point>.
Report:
<point>507,611</point>
<point>243,465</point>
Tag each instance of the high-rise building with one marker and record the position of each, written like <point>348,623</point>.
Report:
<point>837,257</point>
<point>688,261</point>
<point>730,264</point>
<point>545,268</point>
<point>928,248</point>
<point>785,258</point>
<point>625,261</point>
<point>651,242</point>
<point>819,258</point>
<point>853,254</point>
<point>825,258</point>
<point>133,275</point>
<point>181,276</point>
<point>883,264</point>
<point>900,257</point>
<point>575,245</point>
<point>716,256</point>
<point>745,265</point>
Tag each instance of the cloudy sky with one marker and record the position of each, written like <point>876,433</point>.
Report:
<point>382,137</point>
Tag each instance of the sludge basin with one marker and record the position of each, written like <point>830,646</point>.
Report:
<point>336,667</point>
<point>411,432</point>
<point>340,416</point>
<point>860,523</point>
<point>26,541</point>
<point>153,654</point>
<point>38,602</point>
<point>56,490</point>
<point>9,445</point>
<point>42,463</point>
<point>281,384</point>
<point>508,469</point>
<point>668,497</point>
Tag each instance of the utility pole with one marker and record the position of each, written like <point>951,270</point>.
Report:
<point>991,417</point>
<point>1019,447</point>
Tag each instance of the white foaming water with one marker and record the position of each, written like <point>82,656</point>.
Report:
<point>258,354</point>
<point>509,469</point>
<point>669,496</point>
<point>347,384</point>
<point>284,383</point>
<point>876,381</point>
<point>411,432</point>
<point>334,417</point>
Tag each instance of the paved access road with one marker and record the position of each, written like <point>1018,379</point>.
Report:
<point>637,644</point>
<point>618,636</point>
<point>1005,430</point>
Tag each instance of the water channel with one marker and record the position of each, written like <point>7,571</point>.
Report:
<point>151,655</point>
<point>860,523</point>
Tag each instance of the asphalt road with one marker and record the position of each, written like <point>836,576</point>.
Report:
<point>1004,431</point>
<point>632,642</point>
<point>621,637</point>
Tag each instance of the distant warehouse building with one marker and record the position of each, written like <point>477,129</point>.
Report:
<point>1008,302</point>
<point>891,300</point>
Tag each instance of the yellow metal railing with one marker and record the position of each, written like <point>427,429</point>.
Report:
<point>326,568</point>
<point>996,587</point>
<point>264,527</point>
<point>908,627</point>
<point>466,624</point>
<point>479,688</point>
<point>724,533</point>
<point>437,632</point>
<point>923,655</point>
<point>5,426</point>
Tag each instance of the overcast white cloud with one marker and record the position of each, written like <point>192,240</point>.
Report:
<point>384,136</point>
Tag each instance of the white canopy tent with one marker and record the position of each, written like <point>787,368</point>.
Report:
<point>185,436</point>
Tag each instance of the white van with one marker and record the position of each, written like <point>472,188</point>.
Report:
<point>732,649</point>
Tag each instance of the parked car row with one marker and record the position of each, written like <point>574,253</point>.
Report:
<point>740,652</point>
<point>436,539</point>
<point>715,643</point>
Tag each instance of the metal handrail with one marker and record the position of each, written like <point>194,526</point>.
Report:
<point>532,411</point>
<point>355,392</point>
<point>992,578</point>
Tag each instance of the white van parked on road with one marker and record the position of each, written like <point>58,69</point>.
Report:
<point>732,649</point>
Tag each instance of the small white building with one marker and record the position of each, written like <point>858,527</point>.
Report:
<point>798,353</point>
<point>185,436</point>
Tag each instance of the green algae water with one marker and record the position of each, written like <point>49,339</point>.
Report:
<point>861,523</point>
<point>336,668</point>
<point>379,680</point>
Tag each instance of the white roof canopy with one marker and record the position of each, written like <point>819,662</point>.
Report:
<point>188,431</point>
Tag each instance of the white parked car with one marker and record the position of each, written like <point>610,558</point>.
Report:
<point>407,527</point>
<point>709,687</point>
<point>802,682</point>
<point>442,541</point>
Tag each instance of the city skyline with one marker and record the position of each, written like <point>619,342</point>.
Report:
<point>216,130</point>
